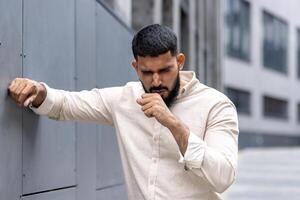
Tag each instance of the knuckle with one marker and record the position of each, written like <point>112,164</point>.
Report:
<point>12,92</point>
<point>23,93</point>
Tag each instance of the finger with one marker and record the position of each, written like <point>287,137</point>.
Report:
<point>148,106</point>
<point>149,113</point>
<point>13,85</point>
<point>18,89</point>
<point>14,89</point>
<point>138,100</point>
<point>28,91</point>
<point>29,100</point>
<point>144,101</point>
<point>149,95</point>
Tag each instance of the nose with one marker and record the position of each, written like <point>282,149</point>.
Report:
<point>156,80</point>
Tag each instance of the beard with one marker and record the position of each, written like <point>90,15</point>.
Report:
<point>171,98</point>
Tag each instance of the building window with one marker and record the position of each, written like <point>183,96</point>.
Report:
<point>275,43</point>
<point>298,53</point>
<point>167,15</point>
<point>237,29</point>
<point>142,13</point>
<point>185,32</point>
<point>298,112</point>
<point>275,108</point>
<point>241,99</point>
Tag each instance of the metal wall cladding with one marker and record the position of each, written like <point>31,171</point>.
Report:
<point>114,58</point>
<point>65,194</point>
<point>115,193</point>
<point>113,51</point>
<point>49,50</point>
<point>47,40</point>
<point>10,114</point>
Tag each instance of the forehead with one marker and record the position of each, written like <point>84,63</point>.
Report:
<point>157,62</point>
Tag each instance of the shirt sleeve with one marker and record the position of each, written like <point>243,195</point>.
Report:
<point>77,106</point>
<point>214,158</point>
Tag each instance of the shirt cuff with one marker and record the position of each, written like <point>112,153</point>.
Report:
<point>194,154</point>
<point>47,104</point>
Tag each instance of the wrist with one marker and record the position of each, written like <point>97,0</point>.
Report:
<point>181,134</point>
<point>41,95</point>
<point>172,123</point>
<point>175,125</point>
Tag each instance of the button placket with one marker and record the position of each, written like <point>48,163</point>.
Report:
<point>154,159</point>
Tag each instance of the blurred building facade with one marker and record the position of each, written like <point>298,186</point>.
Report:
<point>199,36</point>
<point>261,69</point>
<point>245,48</point>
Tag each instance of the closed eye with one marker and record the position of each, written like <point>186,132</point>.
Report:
<point>164,70</point>
<point>147,72</point>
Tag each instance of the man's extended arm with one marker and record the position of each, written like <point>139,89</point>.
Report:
<point>62,105</point>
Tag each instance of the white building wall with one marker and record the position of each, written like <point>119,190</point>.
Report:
<point>124,9</point>
<point>258,80</point>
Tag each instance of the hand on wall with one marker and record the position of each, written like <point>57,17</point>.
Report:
<point>25,92</point>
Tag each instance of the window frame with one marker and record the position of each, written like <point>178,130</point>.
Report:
<point>282,22</point>
<point>277,116</point>
<point>298,52</point>
<point>248,110</point>
<point>236,53</point>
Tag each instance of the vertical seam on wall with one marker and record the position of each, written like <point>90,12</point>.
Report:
<point>22,112</point>
<point>75,88</point>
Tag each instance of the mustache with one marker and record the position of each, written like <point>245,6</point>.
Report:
<point>154,89</point>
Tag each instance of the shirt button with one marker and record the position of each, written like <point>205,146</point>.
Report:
<point>186,168</point>
<point>154,160</point>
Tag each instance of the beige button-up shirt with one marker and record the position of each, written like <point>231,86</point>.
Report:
<point>153,165</point>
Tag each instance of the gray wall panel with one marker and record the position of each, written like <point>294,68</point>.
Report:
<point>10,114</point>
<point>114,193</point>
<point>68,47</point>
<point>66,194</point>
<point>86,134</point>
<point>49,146</point>
<point>113,68</point>
<point>109,167</point>
<point>113,51</point>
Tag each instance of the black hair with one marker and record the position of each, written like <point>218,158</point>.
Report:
<point>154,40</point>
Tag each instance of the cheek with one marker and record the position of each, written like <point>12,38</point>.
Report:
<point>169,80</point>
<point>146,81</point>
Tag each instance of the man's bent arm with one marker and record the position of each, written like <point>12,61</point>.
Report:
<point>214,158</point>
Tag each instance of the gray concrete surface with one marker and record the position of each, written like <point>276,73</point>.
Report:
<point>267,173</point>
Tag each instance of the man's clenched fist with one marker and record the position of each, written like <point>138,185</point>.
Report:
<point>25,92</point>
<point>154,106</point>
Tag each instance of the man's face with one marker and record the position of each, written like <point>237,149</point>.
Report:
<point>160,74</point>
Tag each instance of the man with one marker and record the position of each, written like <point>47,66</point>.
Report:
<point>177,137</point>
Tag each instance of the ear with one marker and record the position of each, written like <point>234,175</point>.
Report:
<point>134,64</point>
<point>180,60</point>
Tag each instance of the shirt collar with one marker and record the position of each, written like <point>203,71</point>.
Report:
<point>192,81</point>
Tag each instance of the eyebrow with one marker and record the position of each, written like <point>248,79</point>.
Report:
<point>160,70</point>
